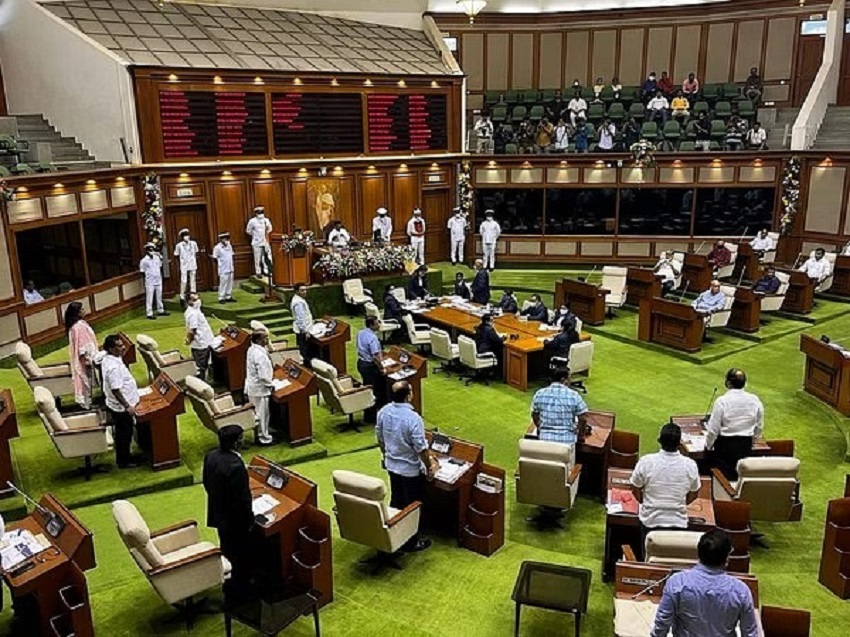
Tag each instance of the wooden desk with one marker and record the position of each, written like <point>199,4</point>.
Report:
<point>835,557</point>
<point>800,295</point>
<point>587,301</point>
<point>331,346</point>
<point>419,366</point>
<point>747,262</point>
<point>624,528</point>
<point>696,272</point>
<point>54,591</point>
<point>291,405</point>
<point>8,430</point>
<point>129,353</point>
<point>827,374</point>
<point>157,411</point>
<point>692,425</point>
<point>670,323</point>
<point>229,360</point>
<point>450,319</point>
<point>841,276</point>
<point>746,310</point>
<point>641,283</point>
<point>294,546</point>
<point>634,577</point>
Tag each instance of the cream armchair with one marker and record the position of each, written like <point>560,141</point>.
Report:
<point>479,364</point>
<point>419,334</point>
<point>614,280</point>
<point>443,348</point>
<point>79,435</point>
<point>773,302</point>
<point>548,478</point>
<point>727,270</point>
<point>56,378</point>
<point>280,350</point>
<point>176,562</point>
<point>770,255</point>
<point>217,411</point>
<point>364,517</point>
<point>385,326</point>
<point>826,284</point>
<point>171,362</point>
<point>679,258</point>
<point>355,293</point>
<point>580,361</point>
<point>671,549</point>
<point>340,393</point>
<point>721,317</point>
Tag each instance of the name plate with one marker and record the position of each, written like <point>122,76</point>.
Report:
<point>185,192</point>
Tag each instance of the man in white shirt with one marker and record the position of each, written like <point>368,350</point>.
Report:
<point>302,321</point>
<point>186,252</point>
<point>382,226</point>
<point>665,483</point>
<point>817,268</point>
<point>762,242</point>
<point>339,237</point>
<point>737,419</point>
<point>490,231</point>
<point>606,135</point>
<point>668,268</point>
<point>484,134</point>
<point>757,137</point>
<point>151,268</point>
<point>416,232</point>
<point>199,336</point>
<point>122,397</point>
<point>223,254</point>
<point>457,226</point>
<point>577,108</point>
<point>658,108</point>
<point>259,373</point>
<point>710,301</point>
<point>31,295</point>
<point>259,228</point>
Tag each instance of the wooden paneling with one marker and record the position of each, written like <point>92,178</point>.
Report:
<point>778,55</point>
<point>577,53</point>
<point>826,192</point>
<point>269,193</point>
<point>658,49</point>
<point>630,69</point>
<point>7,287</point>
<point>686,59</point>
<point>472,48</point>
<point>551,60</point>
<point>748,48</point>
<point>230,211</point>
<point>497,61</point>
<point>298,197</point>
<point>718,60</point>
<point>373,195</point>
<point>405,197</point>
<point>522,61</point>
<point>603,60</point>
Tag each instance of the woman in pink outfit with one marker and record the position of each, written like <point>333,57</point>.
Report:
<point>82,344</point>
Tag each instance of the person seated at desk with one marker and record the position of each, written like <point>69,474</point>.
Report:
<point>462,287</point>
<point>508,302</point>
<point>416,286</point>
<point>564,314</point>
<point>719,256</point>
<point>338,236</point>
<point>769,283</point>
<point>536,311</point>
<point>737,419</point>
<point>31,295</point>
<point>558,412</point>
<point>710,301</point>
<point>664,483</point>
<point>761,243</point>
<point>487,339</point>
<point>669,269</point>
<point>562,342</point>
<point>480,284</point>
<point>392,306</point>
<point>704,600</point>
<point>816,267</point>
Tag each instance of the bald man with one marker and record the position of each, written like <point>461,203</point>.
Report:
<point>737,419</point>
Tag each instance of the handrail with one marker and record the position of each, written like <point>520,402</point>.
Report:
<point>824,90</point>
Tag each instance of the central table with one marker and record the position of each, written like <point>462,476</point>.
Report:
<point>554,587</point>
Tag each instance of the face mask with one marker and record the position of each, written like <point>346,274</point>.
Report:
<point>186,238</point>
<point>197,304</point>
<point>563,310</point>
<point>226,242</point>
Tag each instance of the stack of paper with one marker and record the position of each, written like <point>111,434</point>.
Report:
<point>18,546</point>
<point>694,444</point>
<point>263,504</point>
<point>449,471</point>
<point>280,384</point>
<point>389,362</point>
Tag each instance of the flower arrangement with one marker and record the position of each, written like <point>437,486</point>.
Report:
<point>790,194</point>
<point>643,152</point>
<point>298,241</point>
<point>6,193</point>
<point>152,215</point>
<point>466,193</point>
<point>371,259</point>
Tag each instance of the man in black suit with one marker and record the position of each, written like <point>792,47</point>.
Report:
<point>562,314</point>
<point>563,341</point>
<point>481,284</point>
<point>416,286</point>
<point>508,302</point>
<point>229,509</point>
<point>536,311</point>
<point>487,339</point>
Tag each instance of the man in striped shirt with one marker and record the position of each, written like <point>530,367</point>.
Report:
<point>736,420</point>
<point>559,412</point>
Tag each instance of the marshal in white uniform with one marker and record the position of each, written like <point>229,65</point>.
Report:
<point>259,228</point>
<point>223,254</point>
<point>151,268</point>
<point>383,224</point>
<point>186,252</point>
<point>457,226</point>
<point>490,231</point>
<point>416,232</point>
<point>259,373</point>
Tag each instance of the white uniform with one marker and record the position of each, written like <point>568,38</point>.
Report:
<point>416,232</point>
<point>817,270</point>
<point>151,267</point>
<point>258,388</point>
<point>457,233</point>
<point>223,254</point>
<point>339,238</point>
<point>490,231</point>
<point>385,225</point>
<point>187,254</point>
<point>258,228</point>
<point>762,244</point>
<point>202,342</point>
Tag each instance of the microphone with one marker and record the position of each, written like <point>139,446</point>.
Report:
<point>684,291</point>
<point>261,471</point>
<point>744,234</point>
<point>699,247</point>
<point>219,320</point>
<point>54,523</point>
<point>741,278</point>
<point>592,270</point>
<point>710,404</point>
<point>652,585</point>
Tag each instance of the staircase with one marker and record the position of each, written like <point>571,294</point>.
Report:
<point>776,132</point>
<point>68,153</point>
<point>834,133</point>
<point>276,317</point>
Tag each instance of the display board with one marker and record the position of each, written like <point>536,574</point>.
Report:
<point>407,122</point>
<point>309,123</point>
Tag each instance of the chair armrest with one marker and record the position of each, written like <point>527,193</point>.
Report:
<point>574,474</point>
<point>279,345</point>
<point>419,327</point>
<point>172,356</point>
<point>486,355</point>
<point>79,430</point>
<point>236,410</point>
<point>174,527</point>
<point>224,401</point>
<point>165,568</point>
<point>367,292</point>
<point>177,537</point>
<point>392,322</point>
<point>721,479</point>
<point>628,553</point>
<point>55,371</point>
<point>85,420</point>
<point>347,382</point>
<point>398,517</point>
<point>356,390</point>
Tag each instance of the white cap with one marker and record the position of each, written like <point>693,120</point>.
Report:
<point>183,231</point>
<point>382,211</point>
<point>223,235</point>
<point>259,209</point>
<point>149,246</point>
<point>489,212</point>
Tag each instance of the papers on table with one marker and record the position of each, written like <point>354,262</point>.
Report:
<point>451,470</point>
<point>217,341</point>
<point>144,391</point>
<point>694,443</point>
<point>402,374</point>
<point>389,362</point>
<point>18,546</point>
<point>318,329</point>
<point>263,504</point>
<point>280,384</point>
<point>621,501</point>
<point>549,328</point>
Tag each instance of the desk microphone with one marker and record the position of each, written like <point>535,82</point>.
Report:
<point>699,247</point>
<point>744,234</point>
<point>219,320</point>
<point>54,524</point>
<point>652,585</point>
<point>710,404</point>
<point>684,291</point>
<point>590,274</point>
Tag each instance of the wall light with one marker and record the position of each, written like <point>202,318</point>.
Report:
<point>265,172</point>
<point>402,83</point>
<point>184,175</point>
<point>173,78</point>
<point>58,186</point>
<point>297,81</point>
<point>91,182</point>
<point>225,174</point>
<point>491,163</point>
<point>334,82</point>
<point>120,180</point>
<point>258,80</point>
<point>435,84</point>
<point>217,80</point>
<point>471,8</point>
<point>367,83</point>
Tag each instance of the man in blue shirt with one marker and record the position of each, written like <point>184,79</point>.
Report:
<point>370,366</point>
<point>401,437</point>
<point>559,412</point>
<point>710,301</point>
<point>704,601</point>
<point>769,283</point>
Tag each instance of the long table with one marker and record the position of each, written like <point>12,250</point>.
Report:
<point>670,323</point>
<point>827,374</point>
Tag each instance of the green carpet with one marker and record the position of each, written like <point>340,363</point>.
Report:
<point>447,590</point>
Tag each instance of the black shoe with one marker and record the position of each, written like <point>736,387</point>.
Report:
<point>420,545</point>
<point>230,300</point>
<point>222,301</point>
<point>151,318</point>
<point>132,464</point>
<point>164,313</point>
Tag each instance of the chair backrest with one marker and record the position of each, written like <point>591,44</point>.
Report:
<point>614,279</point>
<point>371,310</point>
<point>328,372</point>
<point>676,549</point>
<point>784,282</point>
<point>769,484</point>
<point>409,326</point>
<point>581,357</point>
<point>45,403</point>
<point>774,237</point>
<point>400,294</point>
<point>441,344</point>
<point>150,350</point>
<point>468,350</point>
<point>361,508</point>
<point>733,248</point>
<point>625,449</point>
<point>29,368</point>
<point>136,535</point>
<point>544,468</point>
<point>352,287</point>
<point>202,392</point>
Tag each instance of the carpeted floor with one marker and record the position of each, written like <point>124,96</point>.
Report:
<point>447,590</point>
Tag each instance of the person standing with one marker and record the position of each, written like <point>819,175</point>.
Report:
<point>457,226</point>
<point>737,419</point>
<point>229,509</point>
<point>82,346</point>
<point>462,287</point>
<point>151,268</point>
<point>704,600</point>
<point>339,237</point>
<point>416,232</point>
<point>370,366</point>
<point>186,252</point>
<point>122,398</point>
<point>558,412</point>
<point>199,336</point>
<point>484,135</point>
<point>223,254</point>
<point>259,373</point>
<point>480,287</point>
<point>259,228</point>
<point>302,321</point>
<point>382,226</point>
<point>490,231</point>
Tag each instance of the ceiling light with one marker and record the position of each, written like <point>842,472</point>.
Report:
<point>471,8</point>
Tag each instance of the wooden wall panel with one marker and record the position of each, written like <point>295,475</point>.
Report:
<point>604,59</point>
<point>405,197</point>
<point>472,49</point>
<point>230,211</point>
<point>778,60</point>
<point>298,198</point>
<point>826,191</point>
<point>686,59</point>
<point>718,60</point>
<point>7,287</point>
<point>658,49</point>
<point>551,60</point>
<point>630,69</point>
<point>576,57</point>
<point>363,223</point>
<point>269,193</point>
<point>748,48</point>
<point>522,61</point>
<point>373,195</point>
<point>497,61</point>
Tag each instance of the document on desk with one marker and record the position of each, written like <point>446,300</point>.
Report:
<point>18,546</point>
<point>403,373</point>
<point>694,443</point>
<point>144,391</point>
<point>263,504</point>
<point>280,384</point>
<point>389,362</point>
<point>217,342</point>
<point>451,470</point>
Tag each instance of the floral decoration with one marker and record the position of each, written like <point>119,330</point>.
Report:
<point>790,194</point>
<point>464,187</point>
<point>299,240</point>
<point>152,215</point>
<point>370,259</point>
<point>643,152</point>
<point>6,193</point>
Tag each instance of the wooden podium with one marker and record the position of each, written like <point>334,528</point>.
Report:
<point>291,267</point>
<point>835,556</point>
<point>157,411</point>
<point>641,283</point>
<point>291,404</point>
<point>670,323</point>
<point>294,546</point>
<point>331,346</point>
<point>841,276</point>
<point>587,301</point>
<point>747,262</point>
<point>746,310</point>
<point>416,364</point>
<point>800,296</point>
<point>8,430</point>
<point>229,359</point>
<point>827,374</point>
<point>696,272</point>
<point>51,598</point>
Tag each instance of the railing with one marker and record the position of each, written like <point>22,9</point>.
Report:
<point>824,90</point>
